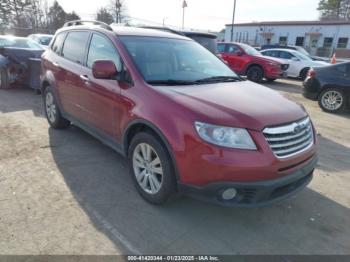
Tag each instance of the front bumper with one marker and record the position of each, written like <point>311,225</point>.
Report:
<point>254,194</point>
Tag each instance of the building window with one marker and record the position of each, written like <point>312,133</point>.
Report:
<point>343,42</point>
<point>328,41</point>
<point>283,40</point>
<point>299,41</point>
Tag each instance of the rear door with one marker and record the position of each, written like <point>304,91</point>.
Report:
<point>71,87</point>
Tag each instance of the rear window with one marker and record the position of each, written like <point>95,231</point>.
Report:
<point>74,46</point>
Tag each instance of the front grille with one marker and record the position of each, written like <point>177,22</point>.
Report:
<point>284,67</point>
<point>291,139</point>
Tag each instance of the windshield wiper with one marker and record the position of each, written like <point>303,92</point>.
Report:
<point>171,82</point>
<point>215,79</point>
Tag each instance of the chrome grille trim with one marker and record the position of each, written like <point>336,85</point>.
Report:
<point>292,139</point>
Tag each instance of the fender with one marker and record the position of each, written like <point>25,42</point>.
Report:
<point>158,132</point>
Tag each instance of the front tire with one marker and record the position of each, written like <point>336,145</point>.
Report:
<point>52,111</point>
<point>151,169</point>
<point>255,74</point>
<point>332,100</point>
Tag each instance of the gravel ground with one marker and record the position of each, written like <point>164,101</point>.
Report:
<point>63,192</point>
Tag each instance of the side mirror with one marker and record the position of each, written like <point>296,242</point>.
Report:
<point>104,69</point>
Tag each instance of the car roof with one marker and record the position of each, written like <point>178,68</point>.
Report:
<point>40,35</point>
<point>126,31</point>
<point>13,37</point>
<point>281,49</point>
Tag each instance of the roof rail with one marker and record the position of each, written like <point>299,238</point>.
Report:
<point>163,28</point>
<point>82,22</point>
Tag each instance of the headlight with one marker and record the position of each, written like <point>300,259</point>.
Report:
<point>225,136</point>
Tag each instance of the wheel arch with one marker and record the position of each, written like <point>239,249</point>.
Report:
<point>305,69</point>
<point>143,125</point>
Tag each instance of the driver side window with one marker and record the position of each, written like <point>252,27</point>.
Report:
<point>233,49</point>
<point>102,49</point>
<point>286,55</point>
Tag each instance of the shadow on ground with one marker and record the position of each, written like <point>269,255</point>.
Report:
<point>308,224</point>
<point>16,99</point>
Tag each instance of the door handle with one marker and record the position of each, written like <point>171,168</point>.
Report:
<point>84,78</point>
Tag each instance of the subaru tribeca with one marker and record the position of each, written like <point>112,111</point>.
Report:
<point>186,122</point>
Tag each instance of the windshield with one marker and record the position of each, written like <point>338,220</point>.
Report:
<point>302,56</point>
<point>164,59</point>
<point>19,43</point>
<point>249,50</point>
<point>302,50</point>
<point>45,40</point>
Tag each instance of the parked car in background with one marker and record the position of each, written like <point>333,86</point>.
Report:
<point>299,64</point>
<point>19,61</point>
<point>42,39</point>
<point>228,141</point>
<point>329,85</point>
<point>296,48</point>
<point>246,60</point>
<point>207,40</point>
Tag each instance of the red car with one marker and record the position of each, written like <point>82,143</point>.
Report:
<point>186,122</point>
<point>246,60</point>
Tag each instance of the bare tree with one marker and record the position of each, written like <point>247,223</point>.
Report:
<point>104,15</point>
<point>118,10</point>
<point>334,9</point>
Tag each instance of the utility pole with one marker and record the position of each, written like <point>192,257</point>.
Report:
<point>233,19</point>
<point>184,5</point>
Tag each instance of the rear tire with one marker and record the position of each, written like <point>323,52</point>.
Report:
<point>255,74</point>
<point>52,111</point>
<point>4,79</point>
<point>332,100</point>
<point>151,169</point>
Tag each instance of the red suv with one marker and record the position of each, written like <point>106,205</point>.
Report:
<point>246,60</point>
<point>185,121</point>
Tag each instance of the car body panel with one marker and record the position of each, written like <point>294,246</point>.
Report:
<point>241,61</point>
<point>109,109</point>
<point>295,67</point>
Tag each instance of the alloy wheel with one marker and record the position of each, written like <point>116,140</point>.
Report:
<point>147,168</point>
<point>332,100</point>
<point>50,107</point>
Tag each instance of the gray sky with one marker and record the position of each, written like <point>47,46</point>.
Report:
<point>205,14</point>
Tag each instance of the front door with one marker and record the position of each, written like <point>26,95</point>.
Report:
<point>234,56</point>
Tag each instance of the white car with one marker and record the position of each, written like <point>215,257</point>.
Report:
<point>299,64</point>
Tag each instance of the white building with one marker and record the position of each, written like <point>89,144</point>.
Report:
<point>318,37</point>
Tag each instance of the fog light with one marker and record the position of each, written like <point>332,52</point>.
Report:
<point>229,194</point>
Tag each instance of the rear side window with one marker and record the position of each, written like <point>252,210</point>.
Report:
<point>58,42</point>
<point>272,53</point>
<point>102,49</point>
<point>285,55</point>
<point>74,46</point>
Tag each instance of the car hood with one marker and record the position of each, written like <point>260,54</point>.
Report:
<point>268,59</point>
<point>238,104</point>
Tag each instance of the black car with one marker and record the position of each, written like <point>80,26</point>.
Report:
<point>19,61</point>
<point>329,85</point>
<point>296,48</point>
<point>207,40</point>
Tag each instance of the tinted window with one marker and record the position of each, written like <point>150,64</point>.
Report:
<point>272,53</point>
<point>285,55</point>
<point>58,42</point>
<point>233,49</point>
<point>221,48</point>
<point>208,42</point>
<point>102,49</point>
<point>74,46</point>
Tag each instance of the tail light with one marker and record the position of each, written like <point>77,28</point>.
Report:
<point>311,73</point>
